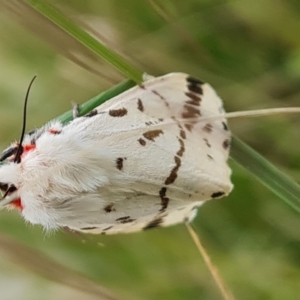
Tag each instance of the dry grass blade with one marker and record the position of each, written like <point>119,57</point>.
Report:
<point>39,264</point>
<point>227,295</point>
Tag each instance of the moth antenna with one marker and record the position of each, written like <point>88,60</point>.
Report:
<point>20,148</point>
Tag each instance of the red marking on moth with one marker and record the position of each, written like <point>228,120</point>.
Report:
<point>17,204</point>
<point>27,148</point>
<point>54,131</point>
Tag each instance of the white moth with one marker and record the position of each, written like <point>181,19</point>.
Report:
<point>144,159</point>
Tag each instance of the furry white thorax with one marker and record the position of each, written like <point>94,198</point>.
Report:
<point>130,165</point>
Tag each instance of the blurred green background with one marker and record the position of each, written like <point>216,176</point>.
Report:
<point>250,52</point>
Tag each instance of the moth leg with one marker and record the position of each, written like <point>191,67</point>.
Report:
<point>75,107</point>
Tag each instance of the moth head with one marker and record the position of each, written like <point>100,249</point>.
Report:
<point>10,164</point>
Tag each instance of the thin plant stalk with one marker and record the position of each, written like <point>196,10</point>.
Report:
<point>226,293</point>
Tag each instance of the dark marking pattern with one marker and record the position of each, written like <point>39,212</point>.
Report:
<point>194,80</point>
<point>182,134</point>
<point>226,144</point>
<point>88,228</point>
<point>160,96</point>
<point>140,105</point>
<point>181,150</point>
<point>154,224</point>
<point>164,200</point>
<point>207,143</point>
<point>92,113</point>
<point>148,123</point>
<point>194,85</point>
<point>210,157</point>
<point>118,112</point>
<point>225,127</point>
<point>207,128</point>
<point>31,132</point>
<point>194,99</point>
<point>107,228</point>
<point>124,220</point>
<point>217,194</point>
<point>190,112</point>
<point>142,142</point>
<point>109,208</point>
<point>189,127</point>
<point>152,134</point>
<point>173,175</point>
<point>119,163</point>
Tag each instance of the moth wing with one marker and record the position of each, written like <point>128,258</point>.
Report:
<point>165,159</point>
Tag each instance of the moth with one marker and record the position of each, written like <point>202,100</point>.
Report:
<point>144,159</point>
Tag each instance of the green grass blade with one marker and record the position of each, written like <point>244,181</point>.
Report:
<point>276,181</point>
<point>86,39</point>
<point>97,100</point>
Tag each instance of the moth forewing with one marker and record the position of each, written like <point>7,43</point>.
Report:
<point>135,162</point>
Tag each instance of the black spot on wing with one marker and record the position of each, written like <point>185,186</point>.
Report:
<point>140,105</point>
<point>225,127</point>
<point>107,228</point>
<point>92,113</point>
<point>207,142</point>
<point>217,194</point>
<point>152,134</point>
<point>88,228</point>
<point>142,142</point>
<point>193,99</point>
<point>158,94</point>
<point>210,157</point>
<point>194,85</point>
<point>226,144</point>
<point>154,224</point>
<point>164,199</point>
<point>189,127</point>
<point>182,134</point>
<point>207,128</point>
<point>173,175</point>
<point>190,112</point>
<point>181,131</point>
<point>119,163</point>
<point>109,208</point>
<point>194,80</point>
<point>118,112</point>
<point>124,220</point>
<point>182,148</point>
